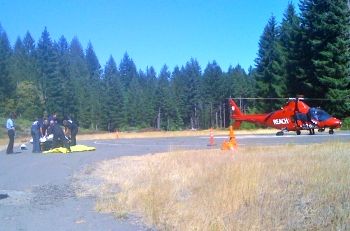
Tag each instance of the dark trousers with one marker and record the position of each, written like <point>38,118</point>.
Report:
<point>11,134</point>
<point>36,140</point>
<point>73,134</point>
<point>58,142</point>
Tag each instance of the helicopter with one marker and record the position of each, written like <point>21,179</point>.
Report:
<point>295,115</point>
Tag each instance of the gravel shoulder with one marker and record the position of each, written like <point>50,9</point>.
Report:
<point>41,196</point>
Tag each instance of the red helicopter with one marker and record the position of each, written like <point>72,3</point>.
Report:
<point>295,115</point>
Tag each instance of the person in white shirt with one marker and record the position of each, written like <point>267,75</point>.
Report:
<point>10,126</point>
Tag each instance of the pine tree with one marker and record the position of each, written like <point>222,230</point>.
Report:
<point>168,113</point>
<point>134,92</point>
<point>293,53</point>
<point>79,73</point>
<point>325,26</point>
<point>18,70</point>
<point>7,85</point>
<point>237,84</point>
<point>192,74</point>
<point>269,74</point>
<point>113,104</point>
<point>149,80</point>
<point>55,86</point>
<point>94,68</point>
<point>212,78</point>
<point>29,104</point>
<point>127,70</point>
<point>70,98</point>
<point>178,85</point>
<point>31,64</point>
<point>212,93</point>
<point>50,83</point>
<point>134,104</point>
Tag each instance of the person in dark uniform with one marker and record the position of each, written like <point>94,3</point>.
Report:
<point>53,117</point>
<point>10,126</point>
<point>35,132</point>
<point>45,127</point>
<point>72,128</point>
<point>59,139</point>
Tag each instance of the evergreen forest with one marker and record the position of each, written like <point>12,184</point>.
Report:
<point>307,53</point>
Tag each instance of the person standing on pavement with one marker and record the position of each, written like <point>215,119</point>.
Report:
<point>72,128</point>
<point>10,126</point>
<point>35,132</point>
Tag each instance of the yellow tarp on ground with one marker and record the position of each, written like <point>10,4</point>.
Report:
<point>76,148</point>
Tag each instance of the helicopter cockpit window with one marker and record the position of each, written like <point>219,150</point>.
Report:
<point>319,114</point>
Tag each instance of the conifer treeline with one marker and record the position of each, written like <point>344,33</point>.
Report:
<point>305,54</point>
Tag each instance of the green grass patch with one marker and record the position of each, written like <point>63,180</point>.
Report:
<point>346,124</point>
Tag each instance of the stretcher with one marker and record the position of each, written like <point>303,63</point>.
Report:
<point>76,148</point>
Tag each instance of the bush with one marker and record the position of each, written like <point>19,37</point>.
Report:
<point>22,127</point>
<point>250,126</point>
<point>346,124</point>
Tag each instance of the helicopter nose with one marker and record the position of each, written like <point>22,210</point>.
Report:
<point>337,123</point>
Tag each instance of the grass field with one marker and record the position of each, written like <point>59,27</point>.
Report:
<point>288,187</point>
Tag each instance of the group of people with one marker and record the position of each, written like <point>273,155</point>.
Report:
<point>42,128</point>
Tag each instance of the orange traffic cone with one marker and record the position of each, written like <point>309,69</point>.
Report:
<point>211,138</point>
<point>231,144</point>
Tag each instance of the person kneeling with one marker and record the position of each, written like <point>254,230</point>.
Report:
<point>59,139</point>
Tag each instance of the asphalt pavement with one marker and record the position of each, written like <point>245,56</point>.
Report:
<point>37,190</point>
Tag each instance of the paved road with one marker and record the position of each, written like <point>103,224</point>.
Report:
<point>41,195</point>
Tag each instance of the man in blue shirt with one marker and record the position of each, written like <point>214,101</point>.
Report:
<point>10,126</point>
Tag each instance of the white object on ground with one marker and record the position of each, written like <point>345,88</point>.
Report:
<point>42,139</point>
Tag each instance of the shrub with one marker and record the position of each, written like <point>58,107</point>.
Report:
<point>346,124</point>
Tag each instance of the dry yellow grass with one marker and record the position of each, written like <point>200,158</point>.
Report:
<point>269,188</point>
<point>155,134</point>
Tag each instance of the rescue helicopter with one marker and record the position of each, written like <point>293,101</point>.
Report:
<point>295,115</point>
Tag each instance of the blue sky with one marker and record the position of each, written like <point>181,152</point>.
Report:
<point>153,32</point>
